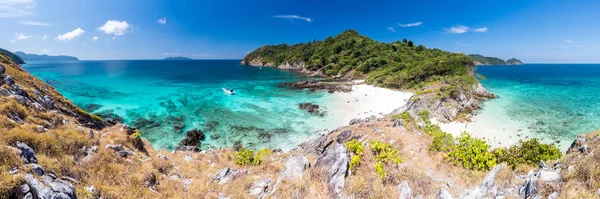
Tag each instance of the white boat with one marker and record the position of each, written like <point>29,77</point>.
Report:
<point>228,91</point>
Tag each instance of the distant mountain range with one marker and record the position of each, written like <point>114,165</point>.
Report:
<point>12,56</point>
<point>178,58</point>
<point>483,60</point>
<point>36,57</point>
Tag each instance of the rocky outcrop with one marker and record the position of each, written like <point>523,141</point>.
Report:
<point>488,187</point>
<point>405,192</point>
<point>317,145</point>
<point>294,167</point>
<point>447,109</point>
<point>50,186</point>
<point>313,85</point>
<point>227,174</point>
<point>335,161</point>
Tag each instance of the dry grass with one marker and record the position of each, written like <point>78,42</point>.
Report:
<point>9,159</point>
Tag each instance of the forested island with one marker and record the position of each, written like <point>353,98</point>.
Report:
<point>36,57</point>
<point>483,60</point>
<point>400,64</point>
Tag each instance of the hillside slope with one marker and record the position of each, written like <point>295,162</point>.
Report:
<point>12,56</point>
<point>483,60</point>
<point>36,57</point>
<point>48,152</point>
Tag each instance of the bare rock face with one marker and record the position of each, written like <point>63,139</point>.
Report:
<point>336,162</point>
<point>318,145</point>
<point>27,153</point>
<point>294,167</point>
<point>227,174</point>
<point>443,194</point>
<point>405,191</point>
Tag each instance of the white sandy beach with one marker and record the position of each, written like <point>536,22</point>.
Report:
<point>366,100</point>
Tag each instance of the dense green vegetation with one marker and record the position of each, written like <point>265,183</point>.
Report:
<point>475,153</point>
<point>248,157</point>
<point>12,56</point>
<point>400,64</point>
<point>529,152</point>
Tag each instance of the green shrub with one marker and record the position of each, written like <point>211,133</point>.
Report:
<point>472,153</point>
<point>379,169</point>
<point>404,116</point>
<point>248,157</point>
<point>354,161</point>
<point>529,152</point>
<point>424,116</point>
<point>355,146</point>
<point>385,152</point>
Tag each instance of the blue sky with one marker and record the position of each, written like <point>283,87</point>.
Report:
<point>548,31</point>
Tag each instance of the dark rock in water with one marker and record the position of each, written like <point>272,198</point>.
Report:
<point>178,128</point>
<point>215,136</point>
<point>193,139</point>
<point>237,146</point>
<point>110,118</point>
<point>143,123</point>
<point>27,153</point>
<point>211,126</point>
<point>92,107</point>
<point>311,108</point>
<point>313,85</point>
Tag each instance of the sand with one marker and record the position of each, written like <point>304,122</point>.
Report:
<point>366,101</point>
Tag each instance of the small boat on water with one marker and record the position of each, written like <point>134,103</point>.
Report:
<point>228,91</point>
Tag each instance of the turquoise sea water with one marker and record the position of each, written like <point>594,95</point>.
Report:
<point>552,101</point>
<point>157,95</point>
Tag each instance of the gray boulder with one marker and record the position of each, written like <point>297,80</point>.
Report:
<point>2,69</point>
<point>227,174</point>
<point>531,187</point>
<point>343,136</point>
<point>405,191</point>
<point>48,188</point>
<point>259,187</point>
<point>443,194</point>
<point>294,167</point>
<point>27,153</point>
<point>554,195</point>
<point>37,169</point>
<point>4,92</point>
<point>8,80</point>
<point>318,145</point>
<point>336,161</point>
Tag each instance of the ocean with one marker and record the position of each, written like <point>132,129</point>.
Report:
<point>553,102</point>
<point>161,97</point>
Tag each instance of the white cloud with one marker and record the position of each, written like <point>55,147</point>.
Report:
<point>44,37</point>
<point>410,24</point>
<point>114,27</point>
<point>162,21</point>
<point>569,41</point>
<point>292,17</point>
<point>95,38</point>
<point>35,23</point>
<point>16,8</point>
<point>458,30</point>
<point>391,29</point>
<point>113,37</point>
<point>70,35</point>
<point>45,51</point>
<point>483,29</point>
<point>21,36</point>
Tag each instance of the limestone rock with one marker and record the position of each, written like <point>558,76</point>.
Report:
<point>318,145</point>
<point>259,187</point>
<point>27,153</point>
<point>443,194</point>
<point>405,191</point>
<point>294,167</point>
<point>344,136</point>
<point>227,174</point>
<point>336,161</point>
<point>48,188</point>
